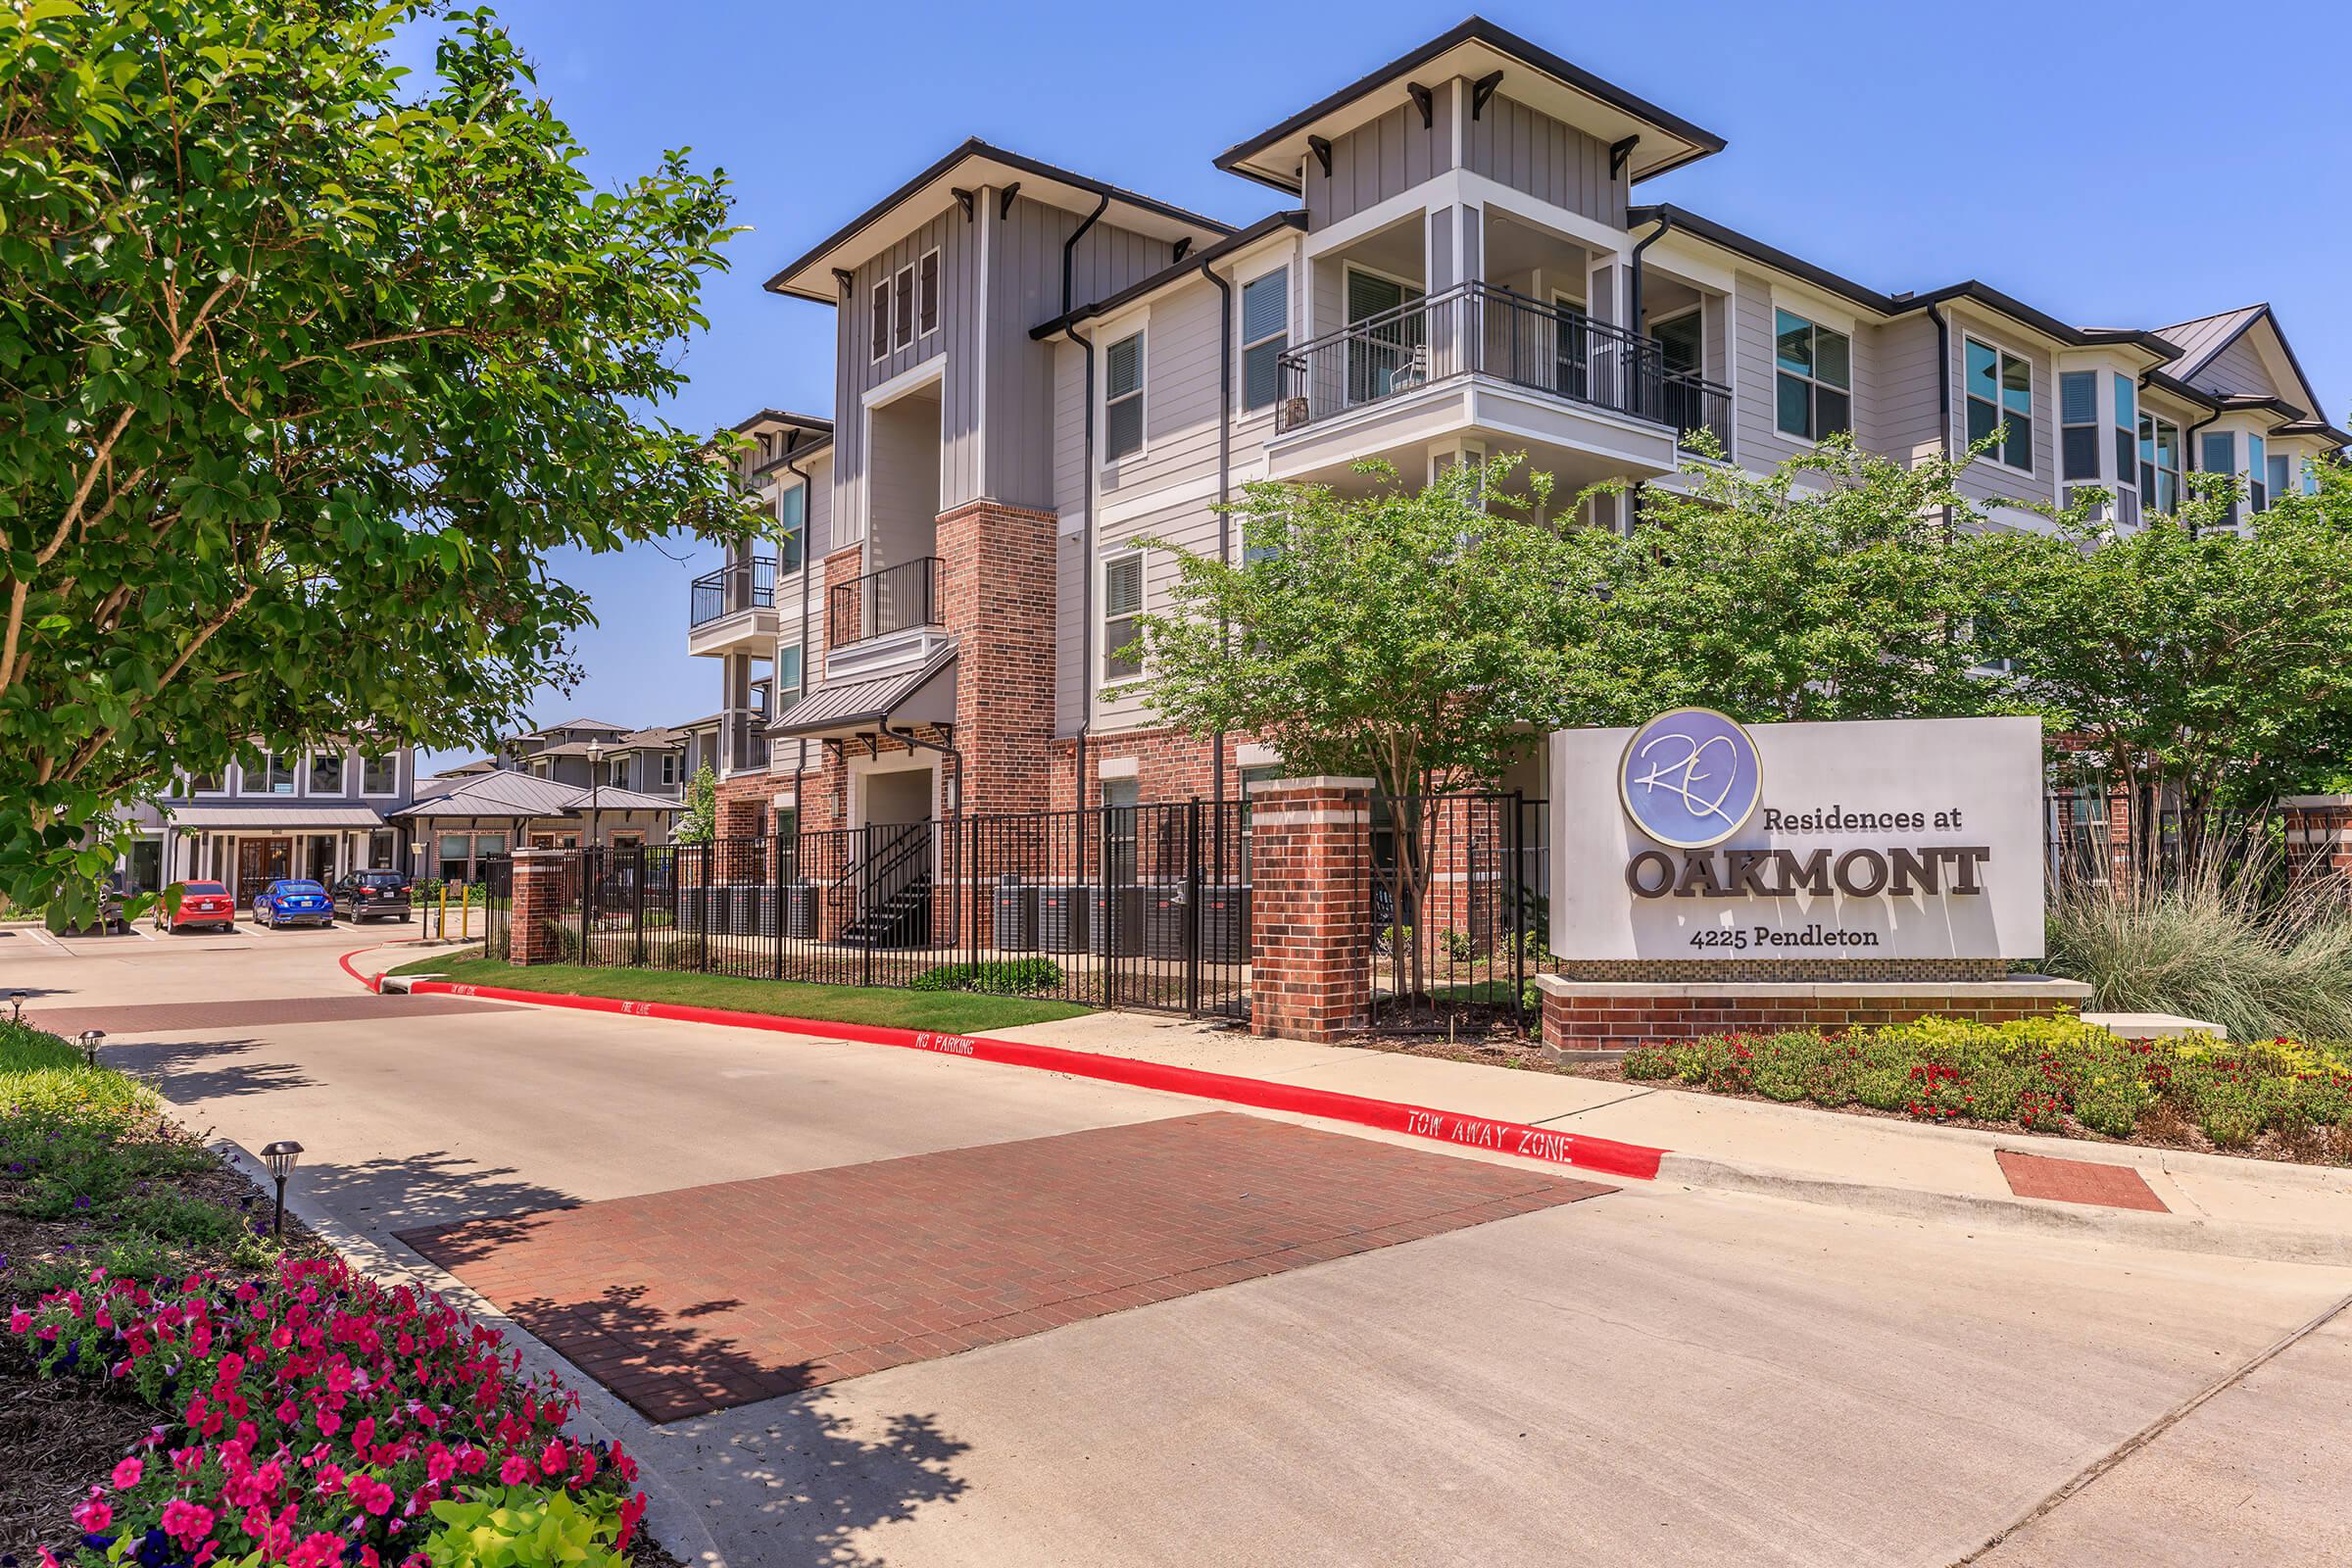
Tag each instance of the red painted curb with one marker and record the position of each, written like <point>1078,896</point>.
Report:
<point>1635,1160</point>
<point>374,982</point>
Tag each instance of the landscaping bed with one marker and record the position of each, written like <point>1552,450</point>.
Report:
<point>176,1388</point>
<point>945,1011</point>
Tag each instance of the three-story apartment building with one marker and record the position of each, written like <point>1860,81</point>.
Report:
<point>1036,368</point>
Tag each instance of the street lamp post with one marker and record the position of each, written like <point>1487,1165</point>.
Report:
<point>280,1157</point>
<point>596,779</point>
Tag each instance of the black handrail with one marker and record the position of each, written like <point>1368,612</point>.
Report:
<point>739,585</point>
<point>893,598</point>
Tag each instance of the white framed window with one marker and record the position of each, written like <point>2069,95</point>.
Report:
<point>881,321</point>
<point>669,769</point>
<point>2079,424</point>
<point>791,529</point>
<point>272,776</point>
<point>788,675</point>
<point>215,783</point>
<point>2000,397</point>
<point>926,293</point>
<point>1265,336</point>
<point>1123,397</point>
<point>2220,456</point>
<point>2281,474</point>
<point>2159,464</point>
<point>2126,424</point>
<point>326,772</point>
<point>902,291</point>
<point>1814,378</point>
<point>1122,613</point>
<point>379,774</point>
<point>2258,472</point>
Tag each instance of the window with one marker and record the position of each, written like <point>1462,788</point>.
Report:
<point>2000,397</point>
<point>1265,336</point>
<point>1122,606</point>
<point>453,856</point>
<point>792,527</point>
<point>2079,424</point>
<point>1123,397</point>
<point>788,675</point>
<point>926,293</point>
<point>903,305</point>
<point>2281,474</point>
<point>205,783</point>
<point>881,322</point>
<point>1815,378</point>
<point>2258,472</point>
<point>383,851</point>
<point>616,773</point>
<point>2159,464</point>
<point>1120,797</point>
<point>379,776</point>
<point>272,776</point>
<point>326,772</point>
<point>2127,466</point>
<point>669,767</point>
<point>486,845</point>
<point>2218,455</point>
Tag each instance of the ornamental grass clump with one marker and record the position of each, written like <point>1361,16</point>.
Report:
<point>317,1418</point>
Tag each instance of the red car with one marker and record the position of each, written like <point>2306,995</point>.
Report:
<point>201,903</point>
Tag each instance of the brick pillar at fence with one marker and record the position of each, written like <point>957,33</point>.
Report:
<point>2319,834</point>
<point>997,567</point>
<point>1310,975</point>
<point>538,900</point>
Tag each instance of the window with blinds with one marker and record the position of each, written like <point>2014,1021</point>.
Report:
<point>791,529</point>
<point>2079,424</point>
<point>1122,614</point>
<point>1265,336</point>
<point>1123,397</point>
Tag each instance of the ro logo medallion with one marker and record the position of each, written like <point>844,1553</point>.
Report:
<point>1690,778</point>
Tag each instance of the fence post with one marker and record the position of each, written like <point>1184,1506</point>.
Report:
<point>702,947</point>
<point>1192,908</point>
<point>1514,880</point>
<point>773,896</point>
<point>1312,926</point>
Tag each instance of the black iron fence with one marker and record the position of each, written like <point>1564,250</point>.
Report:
<point>2128,840</point>
<point>1460,912</point>
<point>1118,906</point>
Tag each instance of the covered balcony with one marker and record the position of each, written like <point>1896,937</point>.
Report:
<point>732,609</point>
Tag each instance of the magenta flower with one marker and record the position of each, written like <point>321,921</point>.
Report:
<point>127,1473</point>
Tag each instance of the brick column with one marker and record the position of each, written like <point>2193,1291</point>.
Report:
<point>538,900</point>
<point>997,584</point>
<point>1310,975</point>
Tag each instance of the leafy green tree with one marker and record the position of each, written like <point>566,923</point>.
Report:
<point>1840,585</point>
<point>2187,652</point>
<point>307,369</point>
<point>698,822</point>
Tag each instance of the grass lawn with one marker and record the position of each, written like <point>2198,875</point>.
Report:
<point>948,1011</point>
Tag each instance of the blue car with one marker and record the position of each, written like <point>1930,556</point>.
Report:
<point>293,903</point>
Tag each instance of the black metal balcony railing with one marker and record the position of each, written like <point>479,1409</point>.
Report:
<point>1480,329</point>
<point>894,599</point>
<point>739,585</point>
<point>747,742</point>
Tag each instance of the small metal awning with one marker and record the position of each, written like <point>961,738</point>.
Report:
<point>276,816</point>
<point>922,696</point>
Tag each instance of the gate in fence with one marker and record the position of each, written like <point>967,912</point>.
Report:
<point>1115,907</point>
<point>1460,912</point>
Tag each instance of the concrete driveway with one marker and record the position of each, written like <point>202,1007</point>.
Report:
<point>1649,1375</point>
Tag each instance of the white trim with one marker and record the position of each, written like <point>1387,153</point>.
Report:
<point>980,231</point>
<point>871,357</point>
<point>1774,373</point>
<point>1460,188</point>
<point>2000,409</point>
<point>1119,768</point>
<point>911,379</point>
<point>1142,336</point>
<point>1104,617</point>
<point>1243,342</point>
<point>939,306</point>
<point>1160,500</point>
<point>902,333</point>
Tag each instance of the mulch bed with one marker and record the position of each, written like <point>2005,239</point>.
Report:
<point>59,1436</point>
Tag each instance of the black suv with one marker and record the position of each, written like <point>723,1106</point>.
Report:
<point>370,895</point>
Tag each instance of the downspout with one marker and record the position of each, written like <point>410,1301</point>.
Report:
<point>1633,285</point>
<point>800,762</point>
<point>1086,600</point>
<point>1224,491</point>
<point>1944,397</point>
<point>2192,461</point>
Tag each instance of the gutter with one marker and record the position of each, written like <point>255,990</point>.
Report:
<point>1634,288</point>
<point>1085,549</point>
<point>1944,395</point>
<point>2192,459</point>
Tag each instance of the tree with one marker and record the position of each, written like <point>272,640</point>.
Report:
<point>698,822</point>
<point>2188,653</point>
<point>308,371</point>
<point>1840,585</point>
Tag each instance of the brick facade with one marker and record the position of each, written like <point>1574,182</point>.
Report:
<point>2319,835</point>
<point>997,567</point>
<point>1170,765</point>
<point>538,900</point>
<point>1311,916</point>
<point>1603,1015</point>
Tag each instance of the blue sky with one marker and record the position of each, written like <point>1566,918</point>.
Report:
<point>2126,163</point>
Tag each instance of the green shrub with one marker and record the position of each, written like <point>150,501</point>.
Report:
<point>999,977</point>
<point>1644,1062</point>
<point>517,1526</point>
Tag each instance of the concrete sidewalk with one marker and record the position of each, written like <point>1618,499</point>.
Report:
<point>2210,1203</point>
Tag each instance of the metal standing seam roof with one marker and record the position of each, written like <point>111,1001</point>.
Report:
<point>520,795</point>
<point>270,816</point>
<point>857,704</point>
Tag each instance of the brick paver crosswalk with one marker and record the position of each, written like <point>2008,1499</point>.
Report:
<point>688,1302</point>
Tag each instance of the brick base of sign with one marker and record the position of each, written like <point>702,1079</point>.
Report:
<point>1729,971</point>
<point>1612,1015</point>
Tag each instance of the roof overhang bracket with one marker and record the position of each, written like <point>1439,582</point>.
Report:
<point>847,280</point>
<point>1483,89</point>
<point>1004,200</point>
<point>963,199</point>
<point>1320,146</point>
<point>1619,151</point>
<point>1425,101</point>
<point>1182,245</point>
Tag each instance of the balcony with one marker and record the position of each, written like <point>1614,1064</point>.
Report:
<point>732,609</point>
<point>745,747</point>
<point>884,619</point>
<point>1478,330</point>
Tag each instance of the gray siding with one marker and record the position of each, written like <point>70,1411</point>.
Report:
<point>1532,152</point>
<point>1381,159</point>
<point>1903,419</point>
<point>857,370</point>
<point>1025,289</point>
<point>1984,481</point>
<point>2238,372</point>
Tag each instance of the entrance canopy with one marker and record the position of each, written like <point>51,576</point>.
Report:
<point>277,815</point>
<point>925,695</point>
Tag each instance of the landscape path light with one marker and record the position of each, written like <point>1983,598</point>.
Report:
<point>280,1157</point>
<point>91,1040</point>
<point>16,999</point>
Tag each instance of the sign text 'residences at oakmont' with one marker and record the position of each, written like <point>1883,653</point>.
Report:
<point>1696,837</point>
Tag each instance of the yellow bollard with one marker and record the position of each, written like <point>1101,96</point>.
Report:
<point>466,918</point>
<point>441,928</point>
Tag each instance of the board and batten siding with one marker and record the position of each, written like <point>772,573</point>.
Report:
<point>1381,159</point>
<point>857,370</point>
<point>1547,158</point>
<point>1025,289</point>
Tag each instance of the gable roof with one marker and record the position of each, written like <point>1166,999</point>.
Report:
<point>509,794</point>
<point>1475,48</point>
<point>970,164</point>
<point>2205,337</point>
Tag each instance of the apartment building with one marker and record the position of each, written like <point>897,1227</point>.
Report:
<point>1035,369</point>
<point>318,813</point>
